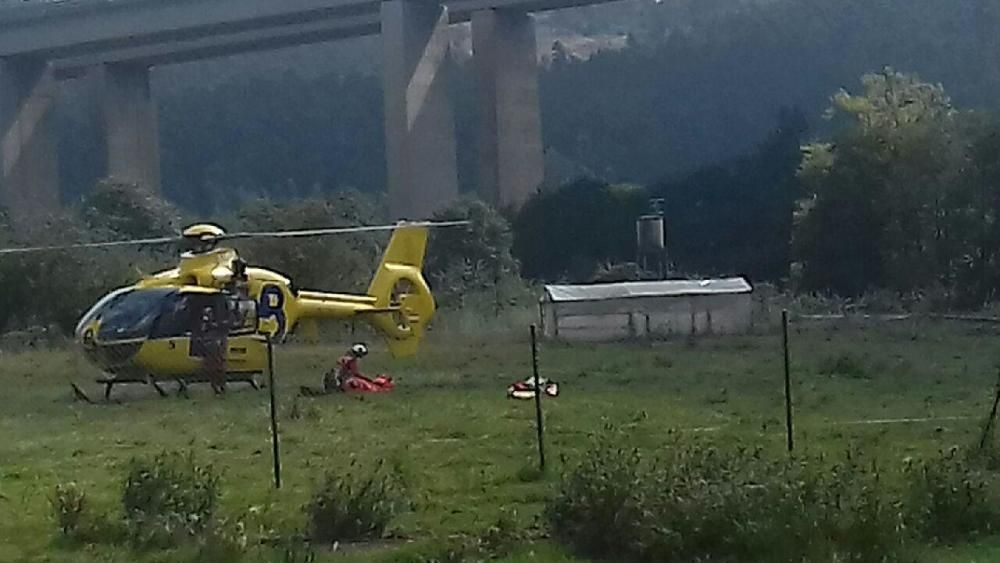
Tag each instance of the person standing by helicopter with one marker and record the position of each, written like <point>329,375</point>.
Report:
<point>211,346</point>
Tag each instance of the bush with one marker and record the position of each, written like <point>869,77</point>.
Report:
<point>596,500</point>
<point>495,542</point>
<point>500,539</point>
<point>951,499</point>
<point>845,365</point>
<point>698,503</point>
<point>77,520</point>
<point>69,504</point>
<point>169,498</point>
<point>294,550</point>
<point>352,508</point>
<point>223,541</point>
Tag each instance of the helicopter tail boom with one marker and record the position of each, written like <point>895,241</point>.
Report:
<point>398,304</point>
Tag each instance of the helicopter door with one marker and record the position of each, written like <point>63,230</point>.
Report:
<point>168,352</point>
<point>246,351</point>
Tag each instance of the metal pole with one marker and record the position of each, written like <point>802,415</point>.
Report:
<point>274,415</point>
<point>538,399</point>
<point>988,428</point>
<point>788,381</point>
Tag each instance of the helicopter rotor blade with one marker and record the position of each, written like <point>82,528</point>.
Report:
<point>233,236</point>
<point>108,244</point>
<point>340,230</point>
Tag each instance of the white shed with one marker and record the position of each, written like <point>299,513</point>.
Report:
<point>656,309</point>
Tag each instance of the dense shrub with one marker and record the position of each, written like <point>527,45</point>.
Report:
<point>700,503</point>
<point>352,507</point>
<point>169,498</point>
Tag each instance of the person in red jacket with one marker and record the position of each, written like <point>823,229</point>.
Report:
<point>347,367</point>
<point>346,376</point>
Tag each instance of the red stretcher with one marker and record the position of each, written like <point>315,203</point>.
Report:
<point>362,384</point>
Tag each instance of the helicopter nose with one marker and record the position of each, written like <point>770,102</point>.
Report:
<point>110,357</point>
<point>87,338</point>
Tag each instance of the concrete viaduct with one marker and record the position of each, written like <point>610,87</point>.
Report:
<point>117,42</point>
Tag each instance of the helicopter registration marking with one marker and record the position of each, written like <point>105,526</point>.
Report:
<point>272,306</point>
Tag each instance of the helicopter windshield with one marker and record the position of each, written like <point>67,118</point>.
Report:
<point>129,314</point>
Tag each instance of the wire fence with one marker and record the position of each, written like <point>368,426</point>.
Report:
<point>851,375</point>
<point>814,376</point>
<point>861,370</point>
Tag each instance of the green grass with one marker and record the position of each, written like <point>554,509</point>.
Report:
<point>463,451</point>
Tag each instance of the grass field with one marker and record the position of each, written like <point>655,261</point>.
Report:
<point>464,452</point>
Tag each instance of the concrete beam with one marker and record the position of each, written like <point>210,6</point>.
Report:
<point>130,125</point>
<point>73,29</point>
<point>511,156</point>
<point>314,31</point>
<point>419,124</point>
<point>461,11</point>
<point>69,29</point>
<point>29,176</point>
<point>226,45</point>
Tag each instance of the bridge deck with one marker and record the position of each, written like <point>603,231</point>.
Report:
<point>90,32</point>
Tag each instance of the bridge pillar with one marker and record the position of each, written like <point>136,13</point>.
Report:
<point>29,175</point>
<point>511,156</point>
<point>130,125</point>
<point>419,125</point>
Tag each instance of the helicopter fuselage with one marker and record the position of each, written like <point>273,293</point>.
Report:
<point>150,329</point>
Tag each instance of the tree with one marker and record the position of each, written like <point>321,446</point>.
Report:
<point>572,231</point>
<point>889,196</point>
<point>735,217</point>
<point>473,259</point>
<point>126,210</point>
<point>342,262</point>
<point>54,288</point>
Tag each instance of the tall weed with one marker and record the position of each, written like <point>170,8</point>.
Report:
<point>69,504</point>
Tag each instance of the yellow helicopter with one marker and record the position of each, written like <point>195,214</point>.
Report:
<point>144,333</point>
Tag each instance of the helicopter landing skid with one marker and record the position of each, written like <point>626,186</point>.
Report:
<point>182,383</point>
<point>109,384</point>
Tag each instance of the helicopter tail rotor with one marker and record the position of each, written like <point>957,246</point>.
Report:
<point>401,292</point>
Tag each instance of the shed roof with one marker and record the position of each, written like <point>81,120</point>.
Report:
<point>629,290</point>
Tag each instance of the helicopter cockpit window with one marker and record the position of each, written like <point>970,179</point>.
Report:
<point>176,317</point>
<point>182,314</point>
<point>98,308</point>
<point>131,314</point>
